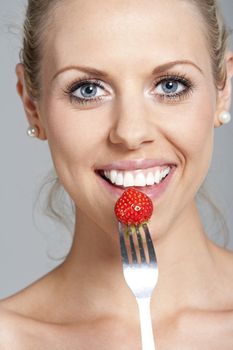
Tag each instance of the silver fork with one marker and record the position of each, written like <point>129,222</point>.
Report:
<point>141,276</point>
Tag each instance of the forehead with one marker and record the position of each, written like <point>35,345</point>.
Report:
<point>124,32</point>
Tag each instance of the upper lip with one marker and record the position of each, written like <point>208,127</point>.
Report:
<point>135,164</point>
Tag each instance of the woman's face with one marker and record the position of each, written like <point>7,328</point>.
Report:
<point>147,94</point>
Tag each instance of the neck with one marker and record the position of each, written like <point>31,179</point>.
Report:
<point>93,271</point>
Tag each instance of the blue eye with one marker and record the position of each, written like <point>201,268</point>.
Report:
<point>86,91</point>
<point>170,87</point>
<point>173,88</point>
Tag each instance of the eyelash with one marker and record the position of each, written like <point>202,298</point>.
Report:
<point>80,83</point>
<point>170,98</point>
<point>178,96</point>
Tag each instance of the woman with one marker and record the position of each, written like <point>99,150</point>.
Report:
<point>130,87</point>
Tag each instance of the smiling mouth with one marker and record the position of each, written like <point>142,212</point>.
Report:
<point>136,178</point>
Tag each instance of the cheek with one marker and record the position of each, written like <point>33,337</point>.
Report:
<point>72,147</point>
<point>74,136</point>
<point>191,131</point>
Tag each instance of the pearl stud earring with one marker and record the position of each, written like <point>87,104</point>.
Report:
<point>224,117</point>
<point>33,131</point>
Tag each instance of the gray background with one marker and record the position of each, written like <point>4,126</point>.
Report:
<point>26,243</point>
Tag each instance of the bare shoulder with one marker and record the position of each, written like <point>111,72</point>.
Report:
<point>5,327</point>
<point>23,315</point>
<point>18,332</point>
<point>30,302</point>
<point>10,333</point>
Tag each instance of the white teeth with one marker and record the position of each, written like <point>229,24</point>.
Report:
<point>113,176</point>
<point>146,177</point>
<point>128,180</point>
<point>161,176</point>
<point>165,172</point>
<point>150,179</point>
<point>140,180</point>
<point>119,179</point>
<point>157,177</point>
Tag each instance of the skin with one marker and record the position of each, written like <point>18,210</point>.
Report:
<point>85,298</point>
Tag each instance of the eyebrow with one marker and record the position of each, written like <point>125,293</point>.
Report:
<point>85,69</point>
<point>159,69</point>
<point>166,66</point>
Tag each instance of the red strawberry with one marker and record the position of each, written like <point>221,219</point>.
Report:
<point>133,207</point>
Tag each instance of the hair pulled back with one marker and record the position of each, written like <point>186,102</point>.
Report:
<point>36,25</point>
<point>38,19</point>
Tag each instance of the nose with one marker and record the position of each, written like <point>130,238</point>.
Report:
<point>133,125</point>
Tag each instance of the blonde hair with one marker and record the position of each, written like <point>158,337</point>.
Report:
<point>217,34</point>
<point>37,23</point>
<point>39,19</point>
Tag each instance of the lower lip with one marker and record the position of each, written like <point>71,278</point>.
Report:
<point>154,191</point>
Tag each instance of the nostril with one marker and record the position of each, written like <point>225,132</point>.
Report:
<point>132,130</point>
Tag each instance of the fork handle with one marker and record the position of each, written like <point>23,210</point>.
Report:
<point>146,324</point>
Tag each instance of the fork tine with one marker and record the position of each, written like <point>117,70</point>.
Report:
<point>141,249</point>
<point>132,246</point>
<point>150,245</point>
<point>124,254</point>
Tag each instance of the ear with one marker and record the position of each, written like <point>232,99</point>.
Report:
<point>30,104</point>
<point>224,95</point>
